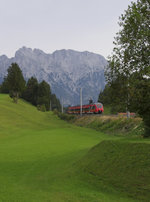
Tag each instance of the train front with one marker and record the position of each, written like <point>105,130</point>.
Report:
<point>100,108</point>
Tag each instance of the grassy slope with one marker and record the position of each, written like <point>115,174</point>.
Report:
<point>112,124</point>
<point>124,165</point>
<point>39,155</point>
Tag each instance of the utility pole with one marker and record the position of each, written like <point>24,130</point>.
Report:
<point>128,112</point>
<point>81,101</point>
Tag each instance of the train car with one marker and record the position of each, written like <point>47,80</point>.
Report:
<point>94,108</point>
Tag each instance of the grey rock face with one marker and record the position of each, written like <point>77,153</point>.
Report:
<point>65,70</point>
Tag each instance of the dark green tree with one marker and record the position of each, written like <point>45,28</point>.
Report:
<point>15,81</point>
<point>39,94</point>
<point>141,101</point>
<point>104,96</point>
<point>55,103</point>
<point>31,92</point>
<point>44,92</point>
<point>116,95</point>
<point>130,61</point>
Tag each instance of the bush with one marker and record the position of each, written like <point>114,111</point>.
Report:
<point>66,117</point>
<point>56,112</point>
<point>41,108</point>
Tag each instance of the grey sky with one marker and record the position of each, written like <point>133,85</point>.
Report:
<point>59,24</point>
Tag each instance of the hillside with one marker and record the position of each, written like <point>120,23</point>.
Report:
<point>65,70</point>
<point>123,165</point>
<point>43,158</point>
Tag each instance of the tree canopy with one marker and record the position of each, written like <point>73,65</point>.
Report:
<point>14,81</point>
<point>43,97</point>
<point>128,72</point>
<point>31,92</point>
<point>39,94</point>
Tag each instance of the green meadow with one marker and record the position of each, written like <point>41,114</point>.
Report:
<point>43,159</point>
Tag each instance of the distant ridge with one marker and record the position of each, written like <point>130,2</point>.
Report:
<point>65,70</point>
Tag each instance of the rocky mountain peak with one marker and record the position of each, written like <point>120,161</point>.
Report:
<point>65,70</point>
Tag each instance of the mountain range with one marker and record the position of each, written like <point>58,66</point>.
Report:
<point>65,70</point>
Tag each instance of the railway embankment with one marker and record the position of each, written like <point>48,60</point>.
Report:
<point>111,124</point>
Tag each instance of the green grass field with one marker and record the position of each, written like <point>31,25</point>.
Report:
<point>46,159</point>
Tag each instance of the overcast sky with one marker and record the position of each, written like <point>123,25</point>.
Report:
<point>52,25</point>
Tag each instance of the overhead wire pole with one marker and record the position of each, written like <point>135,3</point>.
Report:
<point>81,101</point>
<point>128,112</point>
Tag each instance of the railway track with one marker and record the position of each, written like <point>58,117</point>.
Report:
<point>107,115</point>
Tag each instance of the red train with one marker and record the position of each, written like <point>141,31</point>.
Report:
<point>94,108</point>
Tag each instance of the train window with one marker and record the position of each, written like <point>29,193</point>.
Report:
<point>99,105</point>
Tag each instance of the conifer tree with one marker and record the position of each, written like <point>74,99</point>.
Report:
<point>31,92</point>
<point>44,95</point>
<point>15,81</point>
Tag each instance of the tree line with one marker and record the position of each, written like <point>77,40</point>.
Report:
<point>38,94</point>
<point>128,72</point>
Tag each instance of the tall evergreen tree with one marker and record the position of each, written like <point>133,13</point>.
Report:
<point>15,81</point>
<point>31,92</point>
<point>55,103</point>
<point>44,95</point>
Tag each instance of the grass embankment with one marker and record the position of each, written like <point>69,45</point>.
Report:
<point>43,158</point>
<point>112,124</point>
<point>123,165</point>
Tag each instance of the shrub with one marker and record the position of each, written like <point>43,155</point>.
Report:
<point>41,108</point>
<point>66,117</point>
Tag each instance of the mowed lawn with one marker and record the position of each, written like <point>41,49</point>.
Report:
<point>39,157</point>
